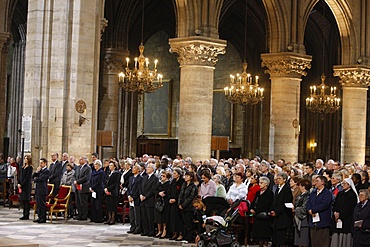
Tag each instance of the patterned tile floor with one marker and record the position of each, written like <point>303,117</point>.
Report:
<point>73,233</point>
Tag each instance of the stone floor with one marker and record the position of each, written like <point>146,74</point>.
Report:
<point>73,233</point>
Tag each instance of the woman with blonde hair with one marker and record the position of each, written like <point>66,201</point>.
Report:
<point>24,185</point>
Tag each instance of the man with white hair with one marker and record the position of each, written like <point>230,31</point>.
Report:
<point>319,167</point>
<point>264,169</point>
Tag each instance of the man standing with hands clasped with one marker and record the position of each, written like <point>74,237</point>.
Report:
<point>40,177</point>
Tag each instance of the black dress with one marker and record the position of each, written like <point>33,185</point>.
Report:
<point>112,185</point>
<point>175,221</point>
<point>25,182</point>
<point>162,217</point>
<point>262,230</point>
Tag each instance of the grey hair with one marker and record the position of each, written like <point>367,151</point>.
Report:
<point>178,170</point>
<point>320,161</point>
<point>366,191</point>
<point>337,176</point>
<point>265,180</point>
<point>218,178</point>
<point>152,166</point>
<point>265,163</point>
<point>283,175</point>
<point>98,162</point>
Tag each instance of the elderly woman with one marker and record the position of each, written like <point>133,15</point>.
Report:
<point>126,173</point>
<point>188,193</point>
<point>221,171</point>
<point>175,223</point>
<point>162,194</point>
<point>97,187</point>
<point>293,182</point>
<point>24,186</point>
<point>238,190</point>
<point>67,179</point>
<point>342,220</point>
<point>260,207</point>
<point>220,189</point>
<point>111,192</point>
<point>361,220</point>
<point>301,237</point>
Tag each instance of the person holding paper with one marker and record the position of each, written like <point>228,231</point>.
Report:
<point>361,220</point>
<point>341,223</point>
<point>96,189</point>
<point>319,210</point>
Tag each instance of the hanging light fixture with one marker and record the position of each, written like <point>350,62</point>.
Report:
<point>141,78</point>
<point>321,101</point>
<point>242,90</point>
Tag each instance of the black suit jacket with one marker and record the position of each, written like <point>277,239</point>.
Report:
<point>148,189</point>
<point>113,182</point>
<point>56,173</point>
<point>41,180</point>
<point>25,181</point>
<point>134,188</point>
<point>283,218</point>
<point>83,177</point>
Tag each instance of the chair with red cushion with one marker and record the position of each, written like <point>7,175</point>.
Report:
<point>60,203</point>
<point>49,196</point>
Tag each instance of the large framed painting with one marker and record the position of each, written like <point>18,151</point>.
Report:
<point>157,111</point>
<point>222,115</point>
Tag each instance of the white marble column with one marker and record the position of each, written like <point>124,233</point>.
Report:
<point>197,58</point>
<point>62,67</point>
<point>355,81</point>
<point>285,71</point>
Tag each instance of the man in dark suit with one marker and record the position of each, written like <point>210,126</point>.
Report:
<point>82,184</point>
<point>134,191</point>
<point>40,177</point>
<point>319,167</point>
<point>264,167</point>
<point>149,184</point>
<point>55,173</point>
<point>65,159</point>
<point>281,214</point>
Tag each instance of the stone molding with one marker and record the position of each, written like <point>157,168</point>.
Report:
<point>103,25</point>
<point>286,64</point>
<point>114,60</point>
<point>197,50</point>
<point>4,42</point>
<point>355,76</point>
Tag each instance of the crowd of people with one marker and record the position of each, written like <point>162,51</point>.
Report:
<point>312,204</point>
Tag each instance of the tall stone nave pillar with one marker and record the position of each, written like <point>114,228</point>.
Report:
<point>355,81</point>
<point>4,42</point>
<point>197,57</point>
<point>61,76</point>
<point>285,69</point>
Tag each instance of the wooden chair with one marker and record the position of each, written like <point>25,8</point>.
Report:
<point>60,203</point>
<point>123,208</point>
<point>48,198</point>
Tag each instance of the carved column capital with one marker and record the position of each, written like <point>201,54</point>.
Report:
<point>4,42</point>
<point>353,75</point>
<point>114,60</point>
<point>286,64</point>
<point>197,50</point>
<point>103,25</point>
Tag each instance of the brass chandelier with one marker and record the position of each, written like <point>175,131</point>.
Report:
<point>320,101</point>
<point>241,90</point>
<point>141,78</point>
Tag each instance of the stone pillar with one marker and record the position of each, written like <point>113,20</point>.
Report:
<point>114,105</point>
<point>197,58</point>
<point>4,42</point>
<point>285,71</point>
<point>355,81</point>
<point>62,68</point>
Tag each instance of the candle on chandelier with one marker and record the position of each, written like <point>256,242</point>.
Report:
<point>135,62</point>
<point>155,63</point>
<point>127,60</point>
<point>147,62</point>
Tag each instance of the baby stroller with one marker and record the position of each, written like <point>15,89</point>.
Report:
<point>222,235</point>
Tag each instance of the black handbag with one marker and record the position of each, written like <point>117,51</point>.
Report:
<point>262,216</point>
<point>159,205</point>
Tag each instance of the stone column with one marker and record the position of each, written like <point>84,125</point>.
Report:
<point>285,71</point>
<point>62,68</point>
<point>4,42</point>
<point>197,58</point>
<point>355,81</point>
<point>110,107</point>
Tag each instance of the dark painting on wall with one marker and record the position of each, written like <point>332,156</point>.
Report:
<point>157,111</point>
<point>222,115</point>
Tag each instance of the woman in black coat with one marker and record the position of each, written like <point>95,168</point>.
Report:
<point>96,189</point>
<point>175,223</point>
<point>162,194</point>
<point>189,191</point>
<point>24,185</point>
<point>111,192</point>
<point>261,231</point>
<point>361,220</point>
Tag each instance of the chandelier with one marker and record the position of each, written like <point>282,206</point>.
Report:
<point>321,102</point>
<point>141,78</point>
<point>242,91</point>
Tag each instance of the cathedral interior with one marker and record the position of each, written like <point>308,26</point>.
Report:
<point>60,61</point>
